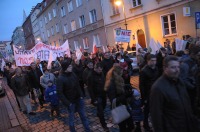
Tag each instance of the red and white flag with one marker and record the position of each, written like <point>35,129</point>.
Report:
<point>94,47</point>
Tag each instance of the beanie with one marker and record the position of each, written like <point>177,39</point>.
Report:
<point>65,64</point>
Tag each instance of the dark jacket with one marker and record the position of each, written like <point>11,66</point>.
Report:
<point>170,107</point>
<point>86,74</point>
<point>68,88</point>
<point>78,70</point>
<point>20,85</point>
<point>96,83</point>
<point>107,65</point>
<point>121,98</point>
<point>51,95</point>
<point>34,76</point>
<point>146,79</point>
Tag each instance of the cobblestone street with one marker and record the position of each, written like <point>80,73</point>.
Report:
<point>43,122</point>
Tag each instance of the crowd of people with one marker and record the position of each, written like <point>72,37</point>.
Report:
<point>168,95</point>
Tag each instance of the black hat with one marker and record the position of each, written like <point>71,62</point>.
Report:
<point>65,64</point>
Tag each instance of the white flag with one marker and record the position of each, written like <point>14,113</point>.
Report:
<point>137,47</point>
<point>50,60</point>
<point>78,53</point>
<point>153,46</point>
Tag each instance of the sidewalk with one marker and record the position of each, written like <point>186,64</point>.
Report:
<point>43,122</point>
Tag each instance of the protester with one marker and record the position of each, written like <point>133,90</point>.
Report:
<point>170,106</point>
<point>107,63</point>
<point>115,88</point>
<point>78,70</point>
<point>46,77</point>
<point>96,81</point>
<point>21,88</point>
<point>34,77</point>
<point>148,75</point>
<point>70,93</point>
<point>51,96</point>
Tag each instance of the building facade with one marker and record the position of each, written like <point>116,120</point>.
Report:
<point>18,37</point>
<point>82,23</point>
<point>147,19</point>
<point>28,33</point>
<point>35,23</point>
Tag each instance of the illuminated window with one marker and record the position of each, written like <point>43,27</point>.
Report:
<point>85,43</point>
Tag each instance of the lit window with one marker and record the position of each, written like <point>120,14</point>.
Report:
<point>169,24</point>
<point>73,25</point>
<point>115,9</point>
<point>86,43</point>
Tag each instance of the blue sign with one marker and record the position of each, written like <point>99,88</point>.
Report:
<point>197,19</point>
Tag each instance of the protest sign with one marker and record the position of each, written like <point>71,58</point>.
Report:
<point>40,51</point>
<point>122,35</point>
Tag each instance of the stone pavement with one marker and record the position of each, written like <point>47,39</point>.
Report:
<point>42,122</point>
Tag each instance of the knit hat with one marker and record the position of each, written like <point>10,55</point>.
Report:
<point>65,64</point>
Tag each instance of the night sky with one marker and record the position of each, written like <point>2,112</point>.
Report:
<point>11,15</point>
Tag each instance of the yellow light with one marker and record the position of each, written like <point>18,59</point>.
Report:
<point>118,2</point>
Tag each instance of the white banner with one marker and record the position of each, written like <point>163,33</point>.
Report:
<point>122,35</point>
<point>40,51</point>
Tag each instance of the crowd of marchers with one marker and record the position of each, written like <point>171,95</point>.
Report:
<point>168,94</point>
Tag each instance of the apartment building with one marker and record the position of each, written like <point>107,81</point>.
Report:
<point>82,23</point>
<point>18,37</point>
<point>28,33</point>
<point>157,19</point>
<point>35,23</point>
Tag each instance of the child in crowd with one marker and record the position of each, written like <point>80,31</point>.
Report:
<point>137,112</point>
<point>51,96</point>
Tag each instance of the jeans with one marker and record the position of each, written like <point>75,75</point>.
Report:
<point>25,103</point>
<point>78,106</point>
<point>101,104</point>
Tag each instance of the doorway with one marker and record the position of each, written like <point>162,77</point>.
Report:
<point>141,38</point>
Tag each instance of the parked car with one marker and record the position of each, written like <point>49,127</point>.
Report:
<point>132,55</point>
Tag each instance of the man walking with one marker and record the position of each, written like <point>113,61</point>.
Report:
<point>147,77</point>
<point>169,101</point>
<point>70,93</point>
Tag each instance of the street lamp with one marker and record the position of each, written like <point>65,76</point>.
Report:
<point>118,3</point>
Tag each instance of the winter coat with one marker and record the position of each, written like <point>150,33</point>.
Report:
<point>146,79</point>
<point>86,74</point>
<point>107,65</point>
<point>78,70</point>
<point>170,107</point>
<point>34,76</point>
<point>45,78</point>
<point>68,88</point>
<point>96,83</point>
<point>20,85</point>
<point>136,105</point>
<point>51,95</point>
